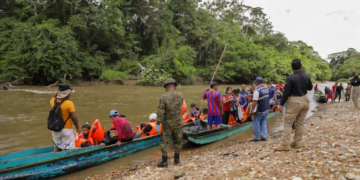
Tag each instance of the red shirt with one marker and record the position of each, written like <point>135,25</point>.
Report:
<point>226,106</point>
<point>280,86</point>
<point>334,88</point>
<point>123,128</point>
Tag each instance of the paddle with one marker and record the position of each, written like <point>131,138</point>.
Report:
<point>217,67</point>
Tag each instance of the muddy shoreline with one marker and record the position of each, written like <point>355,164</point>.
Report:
<point>332,152</point>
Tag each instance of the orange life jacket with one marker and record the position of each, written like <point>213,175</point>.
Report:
<point>277,108</point>
<point>184,108</point>
<point>96,135</point>
<point>246,113</point>
<point>203,116</point>
<point>186,119</point>
<point>79,140</point>
<point>153,129</point>
<point>231,120</point>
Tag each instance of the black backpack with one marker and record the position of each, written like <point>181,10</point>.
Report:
<point>55,121</point>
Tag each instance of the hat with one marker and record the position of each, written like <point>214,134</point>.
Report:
<point>153,117</point>
<point>63,91</point>
<point>258,79</point>
<point>170,81</point>
<point>64,87</point>
<point>114,113</point>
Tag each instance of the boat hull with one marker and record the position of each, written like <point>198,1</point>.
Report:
<point>210,136</point>
<point>72,163</point>
<point>319,97</point>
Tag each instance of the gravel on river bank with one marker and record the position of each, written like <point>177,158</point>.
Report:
<point>332,152</point>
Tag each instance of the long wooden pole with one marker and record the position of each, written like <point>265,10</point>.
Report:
<point>217,67</point>
<point>64,82</point>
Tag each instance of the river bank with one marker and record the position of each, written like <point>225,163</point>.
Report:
<point>332,152</point>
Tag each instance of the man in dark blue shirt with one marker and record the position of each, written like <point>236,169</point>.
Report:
<point>243,91</point>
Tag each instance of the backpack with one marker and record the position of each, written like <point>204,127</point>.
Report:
<point>55,121</point>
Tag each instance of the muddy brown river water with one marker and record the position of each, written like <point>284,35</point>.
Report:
<point>24,110</point>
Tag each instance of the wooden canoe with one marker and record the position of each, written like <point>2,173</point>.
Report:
<point>213,135</point>
<point>42,163</point>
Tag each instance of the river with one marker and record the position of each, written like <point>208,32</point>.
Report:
<point>24,110</point>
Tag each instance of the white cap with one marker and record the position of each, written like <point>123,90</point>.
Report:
<point>153,117</point>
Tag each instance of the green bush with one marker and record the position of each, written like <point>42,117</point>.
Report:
<point>112,75</point>
<point>153,77</point>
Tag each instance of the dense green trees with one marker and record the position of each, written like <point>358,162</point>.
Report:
<point>92,39</point>
<point>344,63</point>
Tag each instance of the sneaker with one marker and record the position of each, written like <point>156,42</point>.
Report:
<point>254,140</point>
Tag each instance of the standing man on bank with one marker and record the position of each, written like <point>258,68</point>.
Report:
<point>169,115</point>
<point>355,83</point>
<point>297,105</point>
<point>261,109</point>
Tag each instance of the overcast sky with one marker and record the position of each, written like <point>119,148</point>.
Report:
<point>328,25</point>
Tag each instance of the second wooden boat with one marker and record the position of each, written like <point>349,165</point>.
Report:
<point>213,135</point>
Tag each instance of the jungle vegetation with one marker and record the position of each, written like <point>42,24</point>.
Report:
<point>108,39</point>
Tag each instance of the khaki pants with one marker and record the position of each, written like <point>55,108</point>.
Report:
<point>296,109</point>
<point>355,97</point>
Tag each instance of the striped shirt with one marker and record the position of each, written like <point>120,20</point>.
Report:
<point>213,98</point>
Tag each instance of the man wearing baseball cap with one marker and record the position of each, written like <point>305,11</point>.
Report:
<point>261,109</point>
<point>65,139</point>
<point>122,126</point>
<point>297,106</point>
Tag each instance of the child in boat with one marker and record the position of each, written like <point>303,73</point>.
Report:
<point>83,138</point>
<point>194,110</point>
<point>204,114</point>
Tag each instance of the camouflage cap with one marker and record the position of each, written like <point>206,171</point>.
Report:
<point>170,81</point>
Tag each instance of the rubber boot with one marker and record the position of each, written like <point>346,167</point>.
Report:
<point>177,159</point>
<point>163,163</point>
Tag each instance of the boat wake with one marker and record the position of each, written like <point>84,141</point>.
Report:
<point>34,91</point>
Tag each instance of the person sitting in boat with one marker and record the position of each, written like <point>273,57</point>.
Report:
<point>194,110</point>
<point>188,119</point>
<point>82,139</point>
<point>204,114</point>
<point>122,126</point>
<point>91,135</point>
<point>150,128</point>
<point>274,107</point>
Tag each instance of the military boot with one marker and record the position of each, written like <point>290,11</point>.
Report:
<point>177,159</point>
<point>297,145</point>
<point>164,162</point>
<point>283,148</point>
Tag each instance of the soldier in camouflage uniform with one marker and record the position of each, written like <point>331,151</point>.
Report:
<point>169,115</point>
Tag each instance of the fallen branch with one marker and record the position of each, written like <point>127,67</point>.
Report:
<point>55,84</point>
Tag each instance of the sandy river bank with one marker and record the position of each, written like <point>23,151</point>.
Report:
<point>332,152</point>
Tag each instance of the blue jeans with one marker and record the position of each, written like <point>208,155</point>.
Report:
<point>259,124</point>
